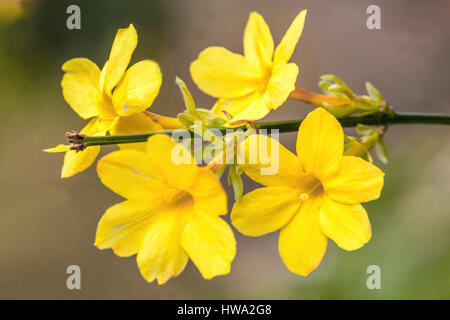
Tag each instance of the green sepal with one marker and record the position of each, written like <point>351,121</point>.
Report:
<point>337,80</point>
<point>206,113</point>
<point>188,99</point>
<point>366,103</point>
<point>363,128</point>
<point>370,140</point>
<point>186,119</point>
<point>374,93</point>
<point>216,122</point>
<point>324,85</point>
<point>340,91</point>
<point>220,172</point>
<point>235,180</point>
<point>353,147</point>
<point>381,150</point>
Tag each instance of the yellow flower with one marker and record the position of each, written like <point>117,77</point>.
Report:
<point>250,86</point>
<point>171,213</point>
<point>114,97</point>
<point>315,195</point>
<point>10,11</point>
<point>58,148</point>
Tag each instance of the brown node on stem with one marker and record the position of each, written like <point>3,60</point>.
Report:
<point>74,136</point>
<point>78,146</point>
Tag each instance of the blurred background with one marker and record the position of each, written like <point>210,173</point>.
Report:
<point>48,223</point>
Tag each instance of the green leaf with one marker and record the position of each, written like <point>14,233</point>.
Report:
<point>236,181</point>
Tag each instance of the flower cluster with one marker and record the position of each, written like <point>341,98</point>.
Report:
<point>172,209</point>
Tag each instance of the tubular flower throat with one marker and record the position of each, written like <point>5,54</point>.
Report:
<point>171,213</point>
<point>250,86</point>
<point>315,195</point>
<point>114,98</point>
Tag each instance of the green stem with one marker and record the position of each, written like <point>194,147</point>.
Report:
<point>291,126</point>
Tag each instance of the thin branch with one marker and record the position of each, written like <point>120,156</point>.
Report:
<point>380,119</point>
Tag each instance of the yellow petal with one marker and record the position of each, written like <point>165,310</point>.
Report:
<point>256,110</point>
<point>320,143</point>
<point>124,225</point>
<point>255,106</point>
<point>281,84</point>
<point>80,87</point>
<point>103,76</point>
<point>138,88</point>
<point>124,44</point>
<point>355,181</point>
<point>302,243</point>
<point>347,225</point>
<point>106,108</point>
<point>105,121</point>
<point>130,174</point>
<point>167,123</point>
<point>265,210</point>
<point>284,50</point>
<point>76,162</point>
<point>221,73</point>
<point>233,106</point>
<point>161,255</point>
<point>210,243</point>
<point>11,11</point>
<point>209,195</point>
<point>134,124</point>
<point>268,162</point>
<point>162,150</point>
<point>58,148</point>
<point>258,42</point>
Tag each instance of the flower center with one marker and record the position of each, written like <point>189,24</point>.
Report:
<point>304,196</point>
<point>176,196</point>
<point>106,108</point>
<point>309,186</point>
<point>266,76</point>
